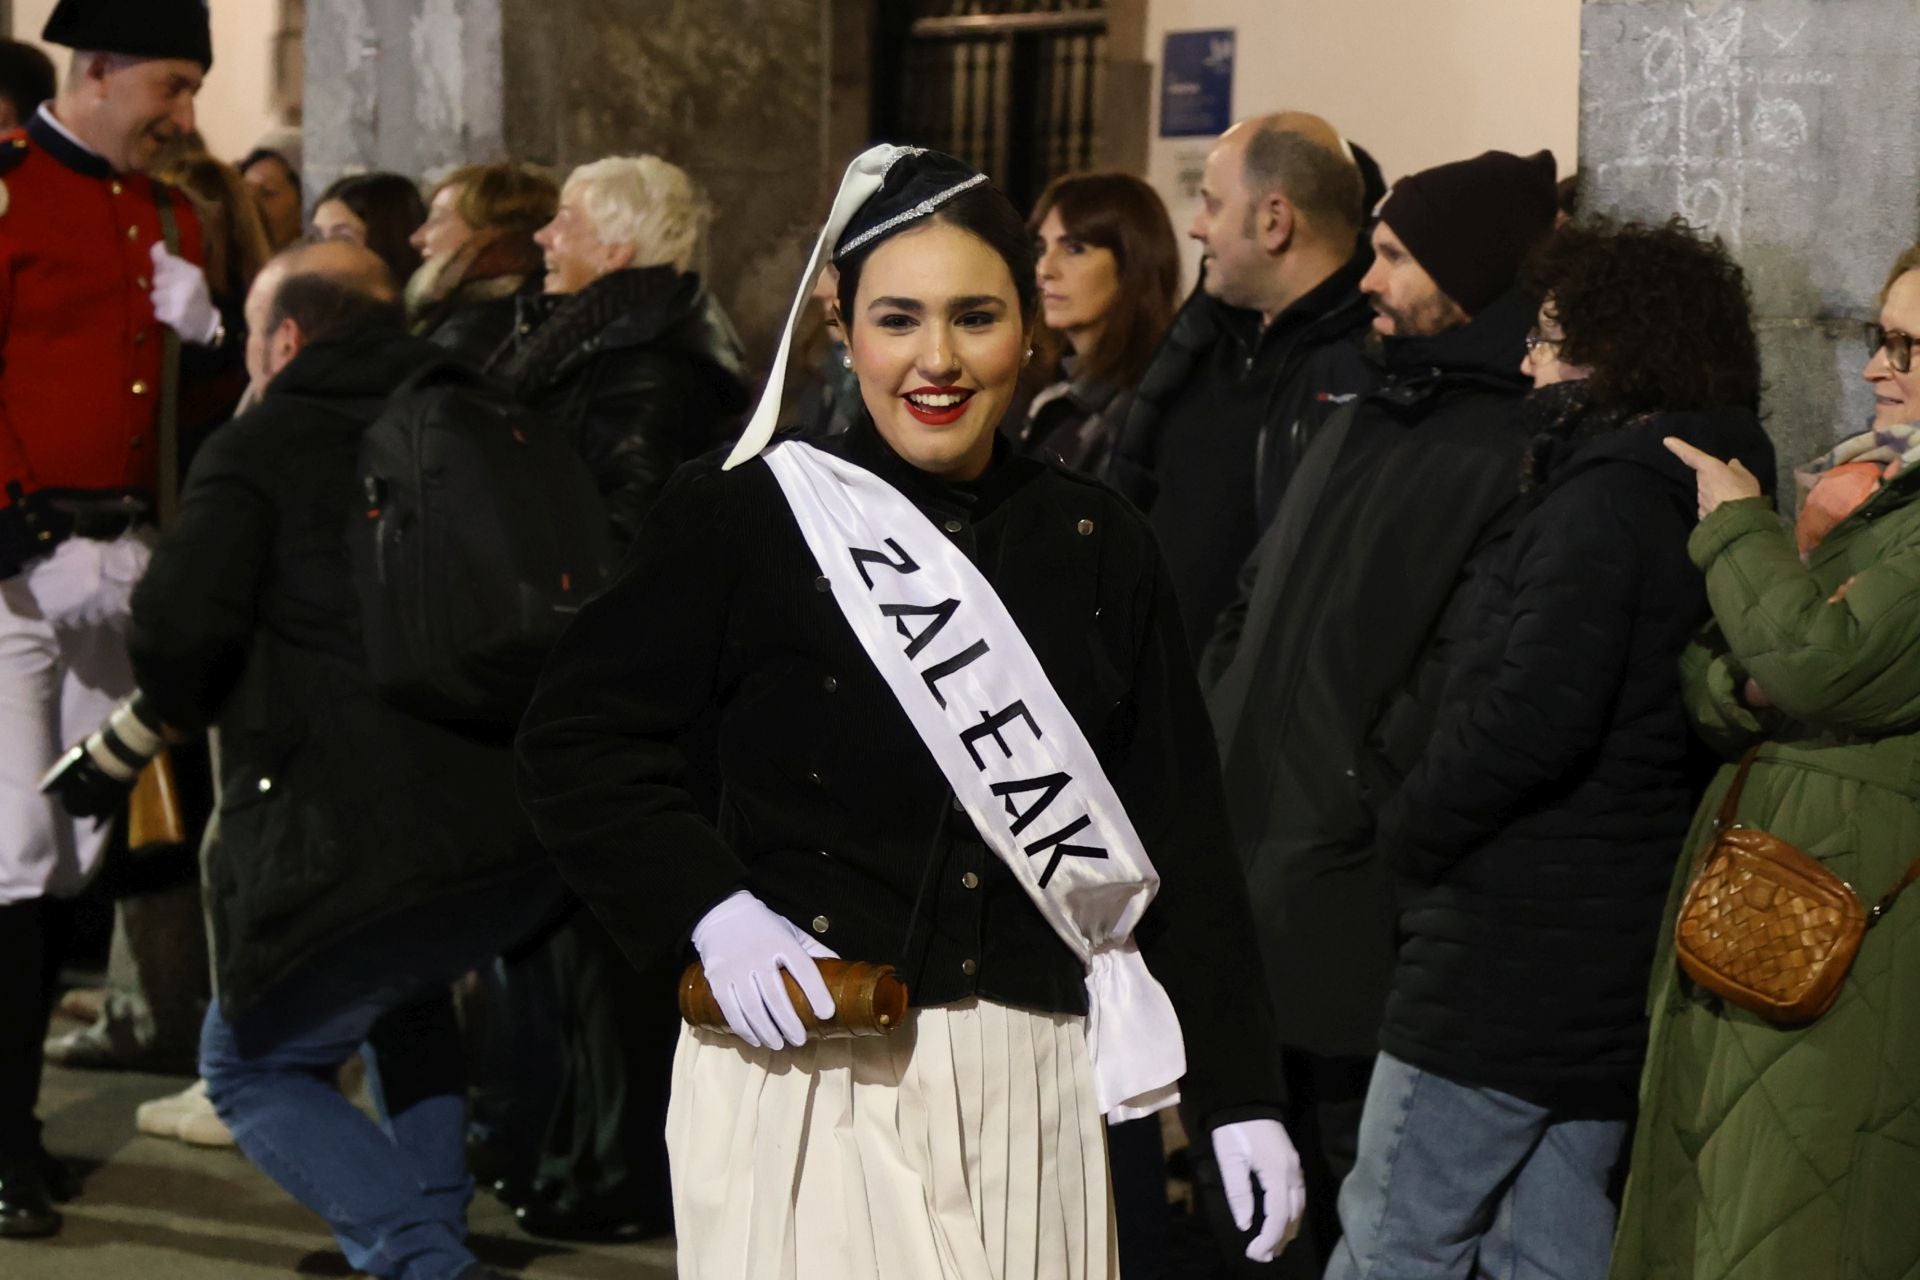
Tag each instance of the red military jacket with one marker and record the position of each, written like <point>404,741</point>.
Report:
<point>80,350</point>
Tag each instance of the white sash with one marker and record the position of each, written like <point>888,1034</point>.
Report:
<point>965,675</point>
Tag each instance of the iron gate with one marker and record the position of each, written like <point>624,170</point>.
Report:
<point>1010,86</point>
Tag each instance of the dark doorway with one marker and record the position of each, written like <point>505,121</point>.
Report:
<point>1010,86</point>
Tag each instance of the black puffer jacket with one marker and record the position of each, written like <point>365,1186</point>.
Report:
<point>645,370</point>
<point>1535,839</point>
<point>1326,675</point>
<point>336,810</point>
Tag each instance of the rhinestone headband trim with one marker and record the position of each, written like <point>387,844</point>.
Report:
<point>920,210</point>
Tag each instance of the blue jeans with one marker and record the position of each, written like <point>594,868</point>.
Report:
<point>1454,1181</point>
<point>395,1193</point>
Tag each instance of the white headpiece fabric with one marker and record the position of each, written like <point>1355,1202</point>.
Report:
<point>863,178</point>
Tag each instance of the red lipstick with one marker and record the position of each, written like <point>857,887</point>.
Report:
<point>942,416</point>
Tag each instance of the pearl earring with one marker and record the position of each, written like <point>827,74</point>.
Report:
<point>846,359</point>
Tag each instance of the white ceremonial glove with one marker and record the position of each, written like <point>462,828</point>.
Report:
<point>181,300</point>
<point>1261,1149</point>
<point>743,944</point>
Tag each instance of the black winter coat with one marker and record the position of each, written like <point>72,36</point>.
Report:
<point>335,809</point>
<point>1326,675</point>
<point>1221,418</point>
<point>644,370</point>
<point>1536,838</point>
<point>722,630</point>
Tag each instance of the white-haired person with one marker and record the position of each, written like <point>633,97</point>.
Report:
<point>626,346</point>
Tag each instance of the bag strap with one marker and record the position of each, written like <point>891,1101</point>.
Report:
<point>1906,881</point>
<point>167,495</point>
<point>1730,803</point>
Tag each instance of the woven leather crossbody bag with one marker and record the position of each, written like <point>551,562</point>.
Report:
<point>1767,927</point>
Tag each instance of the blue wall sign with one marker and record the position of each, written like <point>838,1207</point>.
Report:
<point>1196,84</point>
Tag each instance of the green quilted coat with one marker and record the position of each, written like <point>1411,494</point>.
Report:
<point>1771,1154</point>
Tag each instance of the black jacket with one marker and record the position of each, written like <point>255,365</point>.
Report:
<point>1220,419</point>
<point>472,325</point>
<point>468,301</point>
<point>833,811</point>
<point>1325,676</point>
<point>335,809</point>
<point>642,367</point>
<point>1536,837</point>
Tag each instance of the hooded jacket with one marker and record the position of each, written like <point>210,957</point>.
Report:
<point>1325,676</point>
<point>642,367</point>
<point>1534,839</point>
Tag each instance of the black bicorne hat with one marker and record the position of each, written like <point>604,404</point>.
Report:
<point>136,28</point>
<point>886,190</point>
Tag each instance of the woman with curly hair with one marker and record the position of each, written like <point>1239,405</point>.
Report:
<point>1534,840</point>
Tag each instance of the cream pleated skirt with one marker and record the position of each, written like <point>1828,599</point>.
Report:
<point>968,1145</point>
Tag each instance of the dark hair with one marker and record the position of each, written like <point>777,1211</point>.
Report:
<point>984,212</point>
<point>391,206</point>
<point>258,154</point>
<point>1658,316</point>
<point>26,77</point>
<point>1123,215</point>
<point>1566,196</point>
<point>1321,183</point>
<point>332,306</point>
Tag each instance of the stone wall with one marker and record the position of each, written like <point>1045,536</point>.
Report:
<point>1777,125</point>
<point>734,92</point>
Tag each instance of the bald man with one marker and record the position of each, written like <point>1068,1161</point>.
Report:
<point>362,858</point>
<point>1262,352</point>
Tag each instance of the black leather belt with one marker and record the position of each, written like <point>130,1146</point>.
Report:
<point>103,521</point>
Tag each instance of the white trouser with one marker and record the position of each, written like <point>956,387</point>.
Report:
<point>63,668</point>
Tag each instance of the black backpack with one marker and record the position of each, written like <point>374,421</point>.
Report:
<point>481,534</point>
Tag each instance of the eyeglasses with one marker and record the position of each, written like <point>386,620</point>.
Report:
<point>1535,339</point>
<point>1897,345</point>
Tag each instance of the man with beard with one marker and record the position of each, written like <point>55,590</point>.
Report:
<point>1324,676</point>
<point>90,298</point>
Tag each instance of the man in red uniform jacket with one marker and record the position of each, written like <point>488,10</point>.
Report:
<point>87,292</point>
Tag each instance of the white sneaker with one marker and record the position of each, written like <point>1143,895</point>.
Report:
<point>187,1116</point>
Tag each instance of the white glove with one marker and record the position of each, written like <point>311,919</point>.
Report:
<point>743,944</point>
<point>1261,1149</point>
<point>181,300</point>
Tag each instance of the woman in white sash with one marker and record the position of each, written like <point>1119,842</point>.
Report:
<point>940,700</point>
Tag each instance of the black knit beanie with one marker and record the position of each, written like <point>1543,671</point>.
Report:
<point>1472,223</point>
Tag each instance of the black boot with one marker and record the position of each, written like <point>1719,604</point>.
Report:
<point>25,1208</point>
<point>63,1184</point>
